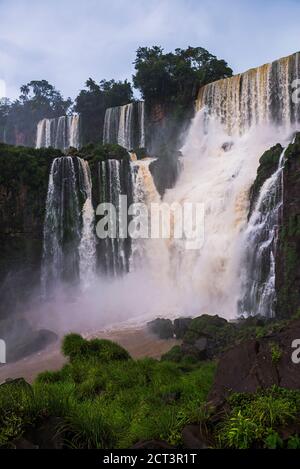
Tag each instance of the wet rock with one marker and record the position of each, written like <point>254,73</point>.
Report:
<point>254,365</point>
<point>181,326</point>
<point>163,328</point>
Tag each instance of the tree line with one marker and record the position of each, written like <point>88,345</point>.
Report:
<point>172,79</point>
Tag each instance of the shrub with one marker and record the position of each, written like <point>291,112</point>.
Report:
<point>75,347</point>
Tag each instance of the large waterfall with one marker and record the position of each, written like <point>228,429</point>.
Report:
<point>259,96</point>
<point>60,132</point>
<point>125,125</point>
<point>69,240</point>
<point>237,120</point>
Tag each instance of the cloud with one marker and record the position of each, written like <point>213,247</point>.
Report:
<point>68,41</point>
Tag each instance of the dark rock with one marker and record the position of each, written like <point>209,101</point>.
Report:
<point>268,164</point>
<point>227,146</point>
<point>17,382</point>
<point>152,444</point>
<point>181,325</point>
<point>193,438</point>
<point>22,443</point>
<point>163,328</point>
<point>33,343</point>
<point>49,434</point>
<point>288,249</point>
<point>251,365</point>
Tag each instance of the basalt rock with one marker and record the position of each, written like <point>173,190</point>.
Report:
<point>288,251</point>
<point>258,364</point>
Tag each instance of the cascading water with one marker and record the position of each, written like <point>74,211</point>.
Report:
<point>144,192</point>
<point>69,242</point>
<point>61,132</point>
<point>113,181</point>
<point>260,239</point>
<point>125,125</point>
<point>87,246</point>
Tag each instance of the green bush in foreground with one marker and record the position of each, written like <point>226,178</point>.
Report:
<point>254,419</point>
<point>107,400</point>
<point>75,347</point>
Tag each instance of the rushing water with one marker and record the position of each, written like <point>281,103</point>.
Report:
<point>69,242</point>
<point>60,132</point>
<point>237,120</point>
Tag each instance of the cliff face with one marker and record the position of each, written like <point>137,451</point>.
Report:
<point>288,253</point>
<point>23,188</point>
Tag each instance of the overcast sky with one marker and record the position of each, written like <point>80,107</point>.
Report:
<point>67,41</point>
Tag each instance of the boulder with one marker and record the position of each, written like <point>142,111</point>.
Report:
<point>163,328</point>
<point>181,326</point>
<point>256,364</point>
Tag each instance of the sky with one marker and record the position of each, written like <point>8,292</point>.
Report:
<point>68,41</point>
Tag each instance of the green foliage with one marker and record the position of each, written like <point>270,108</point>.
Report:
<point>176,77</point>
<point>98,152</point>
<point>174,355</point>
<point>92,103</point>
<point>38,99</point>
<point>276,353</point>
<point>273,441</point>
<point>109,404</point>
<point>75,347</point>
<point>294,442</point>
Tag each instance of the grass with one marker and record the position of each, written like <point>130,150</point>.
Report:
<point>255,418</point>
<point>106,402</point>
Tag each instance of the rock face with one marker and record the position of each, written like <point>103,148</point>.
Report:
<point>23,187</point>
<point>288,252</point>
<point>256,364</point>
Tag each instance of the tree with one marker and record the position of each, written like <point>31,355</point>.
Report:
<point>38,99</point>
<point>176,77</point>
<point>92,103</point>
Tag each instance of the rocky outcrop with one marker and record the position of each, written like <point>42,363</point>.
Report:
<point>258,364</point>
<point>268,164</point>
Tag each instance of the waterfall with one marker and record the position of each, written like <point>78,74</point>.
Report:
<point>141,119</point>
<point>260,239</point>
<point>112,186</point>
<point>87,246</point>
<point>59,132</point>
<point>125,125</point>
<point>238,119</point>
<point>69,242</point>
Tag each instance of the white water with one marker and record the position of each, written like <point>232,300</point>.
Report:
<point>61,132</point>
<point>125,125</point>
<point>237,120</point>
<point>87,246</point>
